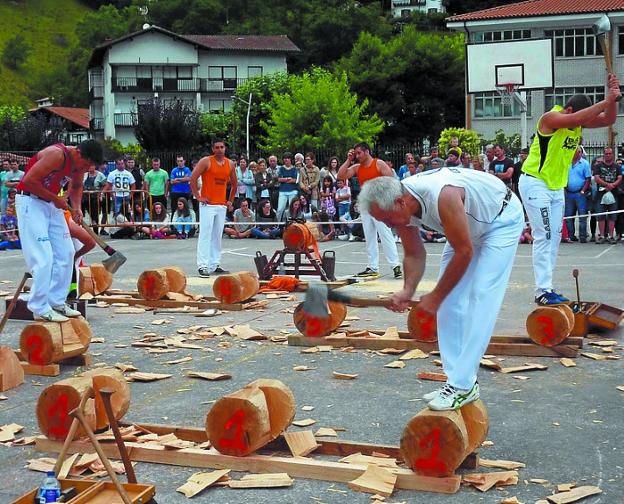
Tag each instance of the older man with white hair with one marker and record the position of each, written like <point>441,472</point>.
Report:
<point>482,220</point>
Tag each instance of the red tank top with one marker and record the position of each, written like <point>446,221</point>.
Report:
<point>57,178</point>
<point>369,172</point>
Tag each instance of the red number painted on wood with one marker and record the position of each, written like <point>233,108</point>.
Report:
<point>234,434</point>
<point>150,284</point>
<point>547,327</point>
<point>226,291</point>
<point>35,349</point>
<point>427,324</point>
<point>58,417</point>
<point>430,443</point>
<point>314,326</point>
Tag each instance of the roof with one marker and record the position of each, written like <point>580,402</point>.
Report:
<point>531,8</point>
<point>275,43</point>
<point>79,116</point>
<point>280,43</point>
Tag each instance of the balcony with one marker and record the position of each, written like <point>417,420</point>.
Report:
<point>406,3</point>
<point>123,119</point>
<point>96,92</point>
<point>158,84</point>
<point>221,85</point>
<point>97,123</point>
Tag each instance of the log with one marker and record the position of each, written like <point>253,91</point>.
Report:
<point>549,325</point>
<point>120,400</point>
<point>102,278</point>
<point>86,284</point>
<point>153,284</point>
<point>176,278</point>
<point>422,327</point>
<point>280,401</point>
<point>298,236</point>
<point>237,287</point>
<point>317,326</point>
<point>11,372</point>
<point>44,343</point>
<point>477,423</point>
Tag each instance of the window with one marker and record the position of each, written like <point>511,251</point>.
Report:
<point>490,105</point>
<point>222,72</point>
<point>559,96</point>
<point>500,36</point>
<point>254,71</point>
<point>574,42</point>
<point>620,39</point>
<point>216,105</point>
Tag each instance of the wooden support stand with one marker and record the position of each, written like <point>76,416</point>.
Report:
<point>84,360</point>
<point>21,311</point>
<point>303,263</point>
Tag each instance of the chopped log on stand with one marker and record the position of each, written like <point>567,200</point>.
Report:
<point>44,343</point>
<point>236,288</point>
<point>94,279</point>
<point>153,284</point>
<point>58,399</point>
<point>242,422</point>
<point>550,325</point>
<point>421,326</point>
<point>176,278</point>
<point>316,326</point>
<point>435,443</point>
<point>11,372</point>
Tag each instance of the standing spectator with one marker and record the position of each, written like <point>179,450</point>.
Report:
<point>287,178</point>
<point>215,171</point>
<point>524,152</point>
<point>137,172</point>
<point>489,157</point>
<point>331,170</point>
<point>299,158</point>
<point>579,178</point>
<point>242,215</point>
<point>13,176</point>
<point>157,183</point>
<point>4,191</point>
<point>310,179</point>
<point>620,203</point>
<point>267,216</point>
<point>122,182</point>
<point>328,195</point>
<point>409,158</point>
<point>343,197</point>
<point>452,159</point>
<point>183,214</point>
<point>273,170</point>
<point>264,181</point>
<point>9,237</point>
<point>466,160</point>
<point>246,181</point>
<point>179,186</point>
<point>92,185</point>
<point>501,165</point>
<point>608,177</point>
<point>477,162</point>
<point>434,153</point>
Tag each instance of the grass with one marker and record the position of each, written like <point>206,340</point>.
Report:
<point>48,26</point>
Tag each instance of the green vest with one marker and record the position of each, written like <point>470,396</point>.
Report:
<point>551,155</point>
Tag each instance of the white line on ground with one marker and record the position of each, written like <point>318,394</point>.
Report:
<point>604,252</point>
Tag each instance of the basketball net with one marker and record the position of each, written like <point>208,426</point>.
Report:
<point>507,92</point>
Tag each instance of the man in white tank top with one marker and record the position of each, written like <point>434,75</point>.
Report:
<point>482,221</point>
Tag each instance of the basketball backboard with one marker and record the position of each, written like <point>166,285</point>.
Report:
<point>526,63</point>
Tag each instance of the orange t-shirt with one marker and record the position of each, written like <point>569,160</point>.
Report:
<point>214,181</point>
<point>369,172</point>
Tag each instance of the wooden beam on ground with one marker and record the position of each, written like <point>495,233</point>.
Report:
<point>296,467</point>
<point>166,303</point>
<point>499,345</point>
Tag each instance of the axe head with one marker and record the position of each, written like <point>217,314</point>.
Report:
<point>315,302</point>
<point>602,26</point>
<point>114,262</point>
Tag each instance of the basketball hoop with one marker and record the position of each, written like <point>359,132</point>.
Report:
<point>507,92</point>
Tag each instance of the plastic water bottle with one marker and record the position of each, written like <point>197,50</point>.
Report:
<point>50,491</point>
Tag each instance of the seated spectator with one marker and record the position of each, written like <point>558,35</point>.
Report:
<point>526,236</point>
<point>307,208</point>
<point>327,196</point>
<point>140,214</point>
<point>430,236</point>
<point>325,228</point>
<point>242,215</point>
<point>229,217</point>
<point>412,169</point>
<point>9,235</point>
<point>268,215</point>
<point>163,228</point>
<point>183,213</point>
<point>466,160</point>
<point>294,211</point>
<point>356,231</point>
<point>409,158</point>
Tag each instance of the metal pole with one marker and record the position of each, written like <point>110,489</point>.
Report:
<point>248,114</point>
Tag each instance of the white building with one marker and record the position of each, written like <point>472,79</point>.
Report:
<point>204,70</point>
<point>404,8</point>
<point>579,66</point>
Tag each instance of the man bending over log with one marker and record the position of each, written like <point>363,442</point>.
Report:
<point>482,220</point>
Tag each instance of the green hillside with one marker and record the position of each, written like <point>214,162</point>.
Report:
<point>48,26</point>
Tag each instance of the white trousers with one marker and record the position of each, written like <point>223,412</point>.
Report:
<point>372,227</point>
<point>545,209</point>
<point>48,251</point>
<point>467,316</point>
<point>212,219</point>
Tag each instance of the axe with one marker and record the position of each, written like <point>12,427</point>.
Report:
<point>116,259</point>
<point>602,29</point>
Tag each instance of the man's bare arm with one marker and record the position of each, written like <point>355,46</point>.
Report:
<point>506,175</point>
<point>347,170</point>
<point>199,169</point>
<point>233,181</point>
<point>384,169</point>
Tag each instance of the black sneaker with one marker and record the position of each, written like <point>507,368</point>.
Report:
<point>203,272</point>
<point>220,271</point>
<point>368,273</point>
<point>397,272</point>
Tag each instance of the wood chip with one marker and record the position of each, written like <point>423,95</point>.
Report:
<point>200,481</point>
<point>125,367</point>
<point>501,464</point>
<point>263,481</point>
<point>365,460</point>
<point>604,343</point>
<point>304,423</point>
<point>397,364</point>
<point>126,310</point>
<point>391,351</point>
<point>172,441</point>
<point>97,340</point>
<point>307,408</point>
<point>574,495</point>
<point>7,432</point>
<point>159,321</point>
<point>620,388</point>
<point>217,331</point>
<point>539,481</point>
<point>527,367</point>
<point>3,397</point>
<point>392,333</point>
<point>326,432</point>
<point>431,376</point>
<point>416,353</point>
<point>179,361</point>
<point>67,465</point>
<point>209,376</point>
<point>43,464</point>
<point>485,481</point>
<point>567,362</point>
<point>147,377</point>
<point>565,487</point>
<point>375,480</point>
<point>301,443</point>
<point>511,500</point>
<point>593,356</point>
<point>344,376</point>
<point>247,333</point>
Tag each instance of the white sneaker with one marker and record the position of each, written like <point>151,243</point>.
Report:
<point>52,316</point>
<point>430,396</point>
<point>351,238</point>
<point>451,398</point>
<point>66,310</point>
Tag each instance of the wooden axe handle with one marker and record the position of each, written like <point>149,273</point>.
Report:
<point>105,246</point>
<point>366,302</point>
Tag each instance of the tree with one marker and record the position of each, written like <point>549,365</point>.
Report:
<point>469,140</point>
<point>414,82</point>
<point>319,111</point>
<point>161,125</point>
<point>27,132</point>
<point>217,125</point>
<point>15,52</point>
<point>512,143</point>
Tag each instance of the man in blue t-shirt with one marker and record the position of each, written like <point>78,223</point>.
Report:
<point>579,178</point>
<point>179,183</point>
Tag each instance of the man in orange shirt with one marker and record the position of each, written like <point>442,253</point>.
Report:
<point>215,172</point>
<point>365,169</point>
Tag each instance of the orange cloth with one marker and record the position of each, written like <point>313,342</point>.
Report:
<point>369,172</point>
<point>214,181</point>
<point>285,283</point>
